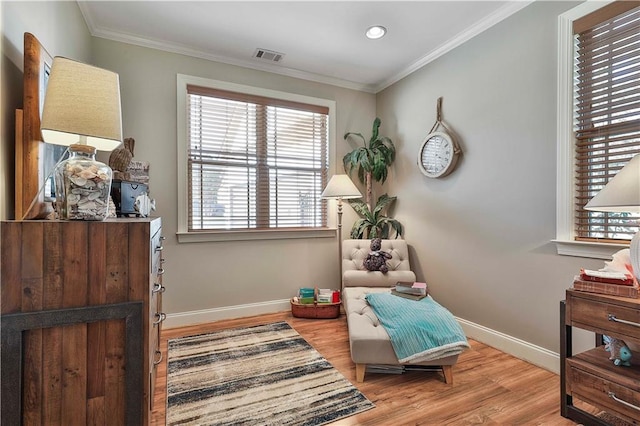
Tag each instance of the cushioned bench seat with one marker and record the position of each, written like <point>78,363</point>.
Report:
<point>369,342</point>
<point>368,339</point>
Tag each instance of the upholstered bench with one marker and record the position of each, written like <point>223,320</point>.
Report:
<point>369,341</point>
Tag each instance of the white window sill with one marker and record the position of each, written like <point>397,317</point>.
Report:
<point>250,235</point>
<point>588,249</point>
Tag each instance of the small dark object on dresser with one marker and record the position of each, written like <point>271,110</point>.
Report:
<point>124,194</point>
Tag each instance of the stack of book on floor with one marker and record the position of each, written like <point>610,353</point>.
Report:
<point>613,283</point>
<point>409,290</point>
<point>306,295</point>
<point>325,295</point>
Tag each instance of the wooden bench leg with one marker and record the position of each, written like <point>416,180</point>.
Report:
<point>448,374</point>
<point>360,370</point>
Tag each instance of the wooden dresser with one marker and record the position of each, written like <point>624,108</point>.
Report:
<point>590,376</point>
<point>82,300</point>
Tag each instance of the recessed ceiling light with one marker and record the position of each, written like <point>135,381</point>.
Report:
<point>375,32</point>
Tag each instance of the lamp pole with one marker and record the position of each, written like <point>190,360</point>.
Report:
<point>340,241</point>
<point>340,187</point>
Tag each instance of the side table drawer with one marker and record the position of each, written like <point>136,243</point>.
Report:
<point>603,393</point>
<point>605,318</point>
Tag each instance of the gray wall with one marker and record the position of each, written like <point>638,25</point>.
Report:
<point>61,29</point>
<point>204,276</point>
<point>481,236</point>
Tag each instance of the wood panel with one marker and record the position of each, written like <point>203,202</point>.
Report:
<point>490,386</point>
<point>52,337</point>
<point>11,288</point>
<point>32,294</point>
<point>76,374</point>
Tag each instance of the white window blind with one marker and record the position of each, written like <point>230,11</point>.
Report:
<point>255,162</point>
<point>607,113</point>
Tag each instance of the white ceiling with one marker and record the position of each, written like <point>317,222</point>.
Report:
<point>322,40</point>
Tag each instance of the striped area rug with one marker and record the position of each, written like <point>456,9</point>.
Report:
<point>261,375</point>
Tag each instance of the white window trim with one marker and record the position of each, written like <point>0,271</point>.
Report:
<point>183,234</point>
<point>565,189</point>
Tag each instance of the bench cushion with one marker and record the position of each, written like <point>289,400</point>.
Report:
<point>370,343</point>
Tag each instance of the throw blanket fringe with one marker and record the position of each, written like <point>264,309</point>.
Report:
<point>419,330</point>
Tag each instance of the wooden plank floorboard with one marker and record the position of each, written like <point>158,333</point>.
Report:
<point>490,387</point>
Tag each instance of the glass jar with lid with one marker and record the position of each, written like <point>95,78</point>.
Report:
<point>83,185</point>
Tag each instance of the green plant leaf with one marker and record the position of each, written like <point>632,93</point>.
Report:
<point>374,158</point>
<point>348,134</point>
<point>374,224</point>
<point>357,232</point>
<point>374,130</point>
<point>361,208</point>
<point>383,201</point>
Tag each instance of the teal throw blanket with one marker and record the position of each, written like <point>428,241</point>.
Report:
<point>419,330</point>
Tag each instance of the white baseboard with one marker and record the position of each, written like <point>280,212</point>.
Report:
<point>526,351</point>
<point>227,312</point>
<point>513,346</point>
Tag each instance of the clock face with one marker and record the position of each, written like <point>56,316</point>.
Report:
<point>438,155</point>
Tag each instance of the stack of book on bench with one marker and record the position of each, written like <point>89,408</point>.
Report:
<point>409,290</point>
<point>613,283</point>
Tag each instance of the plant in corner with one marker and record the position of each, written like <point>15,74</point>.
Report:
<point>373,224</point>
<point>372,161</point>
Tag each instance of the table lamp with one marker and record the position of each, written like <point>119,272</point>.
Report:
<point>340,187</point>
<point>622,195</point>
<point>82,111</point>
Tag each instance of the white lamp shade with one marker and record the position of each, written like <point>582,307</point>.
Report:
<point>82,105</point>
<point>621,193</point>
<point>340,186</point>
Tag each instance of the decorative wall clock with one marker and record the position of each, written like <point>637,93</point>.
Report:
<point>439,151</point>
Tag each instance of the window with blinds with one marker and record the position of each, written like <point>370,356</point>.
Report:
<point>255,162</point>
<point>607,113</point>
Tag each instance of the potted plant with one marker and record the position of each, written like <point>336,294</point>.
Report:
<point>372,161</point>
<point>374,224</point>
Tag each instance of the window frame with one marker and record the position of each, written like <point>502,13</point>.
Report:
<point>565,183</point>
<point>183,233</point>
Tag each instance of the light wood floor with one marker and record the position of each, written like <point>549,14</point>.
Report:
<point>490,387</point>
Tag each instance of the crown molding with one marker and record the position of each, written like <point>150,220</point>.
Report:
<point>488,22</point>
<point>187,51</point>
<point>504,12</point>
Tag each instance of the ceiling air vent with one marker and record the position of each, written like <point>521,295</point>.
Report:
<point>268,55</point>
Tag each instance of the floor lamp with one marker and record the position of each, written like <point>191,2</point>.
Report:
<point>622,195</point>
<point>340,187</point>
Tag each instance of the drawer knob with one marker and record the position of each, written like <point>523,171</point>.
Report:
<point>613,318</point>
<point>161,317</point>
<point>625,403</point>
<point>159,248</point>
<point>159,360</point>
<point>158,288</point>
<point>160,271</point>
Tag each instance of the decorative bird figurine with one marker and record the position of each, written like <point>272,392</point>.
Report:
<point>120,159</point>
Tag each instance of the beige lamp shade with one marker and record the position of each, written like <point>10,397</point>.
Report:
<point>622,193</point>
<point>340,186</point>
<point>82,105</point>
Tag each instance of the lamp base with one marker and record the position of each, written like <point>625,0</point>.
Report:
<point>634,254</point>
